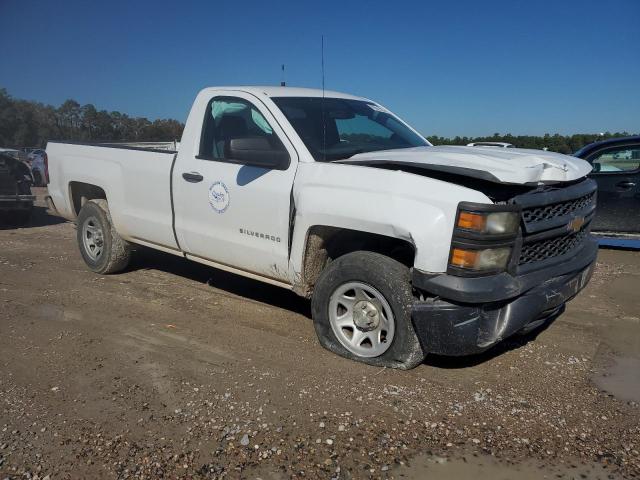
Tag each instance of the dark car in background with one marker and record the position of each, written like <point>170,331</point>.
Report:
<point>16,200</point>
<point>616,170</point>
<point>38,161</point>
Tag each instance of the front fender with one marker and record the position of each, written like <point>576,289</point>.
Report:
<point>410,207</point>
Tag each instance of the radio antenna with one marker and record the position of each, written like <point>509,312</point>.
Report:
<point>324,124</point>
<point>282,82</point>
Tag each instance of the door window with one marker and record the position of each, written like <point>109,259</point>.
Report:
<point>231,118</point>
<point>618,159</point>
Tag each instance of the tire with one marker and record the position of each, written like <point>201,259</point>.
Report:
<point>110,253</point>
<point>386,298</point>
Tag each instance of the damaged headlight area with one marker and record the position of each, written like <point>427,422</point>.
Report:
<point>484,238</point>
<point>492,223</point>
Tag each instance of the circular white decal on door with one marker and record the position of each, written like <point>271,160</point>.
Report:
<point>219,197</point>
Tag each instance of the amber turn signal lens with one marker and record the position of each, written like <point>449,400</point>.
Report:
<point>484,259</point>
<point>472,221</point>
<point>464,258</point>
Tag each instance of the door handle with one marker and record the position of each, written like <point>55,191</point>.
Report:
<point>626,184</point>
<point>192,177</point>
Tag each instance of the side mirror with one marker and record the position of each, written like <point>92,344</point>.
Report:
<point>257,152</point>
<point>597,167</point>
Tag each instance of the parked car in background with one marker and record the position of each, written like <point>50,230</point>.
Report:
<point>491,144</point>
<point>16,200</point>
<point>39,166</point>
<point>35,159</point>
<point>616,170</point>
<point>19,155</point>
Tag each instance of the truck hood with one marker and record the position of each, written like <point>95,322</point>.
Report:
<point>499,165</point>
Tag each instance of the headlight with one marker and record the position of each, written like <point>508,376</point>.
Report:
<point>480,260</point>
<point>492,223</point>
<point>484,237</point>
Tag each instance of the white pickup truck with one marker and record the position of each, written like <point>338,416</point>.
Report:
<point>404,248</point>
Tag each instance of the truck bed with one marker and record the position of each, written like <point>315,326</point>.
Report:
<point>136,178</point>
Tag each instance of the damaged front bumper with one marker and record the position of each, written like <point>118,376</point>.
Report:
<point>470,315</point>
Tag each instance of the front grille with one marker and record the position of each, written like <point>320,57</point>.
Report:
<point>560,209</point>
<point>547,220</point>
<point>550,248</point>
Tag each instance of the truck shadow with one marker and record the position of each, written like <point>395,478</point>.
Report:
<point>148,259</point>
<point>39,218</point>
<point>253,290</point>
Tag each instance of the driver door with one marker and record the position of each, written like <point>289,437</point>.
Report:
<point>230,211</point>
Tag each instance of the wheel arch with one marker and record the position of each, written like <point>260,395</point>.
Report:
<point>324,244</point>
<point>81,192</point>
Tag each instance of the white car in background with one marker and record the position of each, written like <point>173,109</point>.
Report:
<point>491,144</point>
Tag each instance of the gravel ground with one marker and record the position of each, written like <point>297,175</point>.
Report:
<point>176,370</point>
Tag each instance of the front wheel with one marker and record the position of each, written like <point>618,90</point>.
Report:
<point>361,310</point>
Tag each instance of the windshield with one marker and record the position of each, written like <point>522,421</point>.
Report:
<point>349,127</point>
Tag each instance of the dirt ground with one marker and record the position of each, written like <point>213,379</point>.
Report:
<point>177,370</point>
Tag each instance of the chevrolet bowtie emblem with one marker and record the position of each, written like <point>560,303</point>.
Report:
<point>575,225</point>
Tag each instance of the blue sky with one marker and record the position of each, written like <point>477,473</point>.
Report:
<point>448,68</point>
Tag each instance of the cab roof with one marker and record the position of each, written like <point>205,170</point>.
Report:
<point>271,91</point>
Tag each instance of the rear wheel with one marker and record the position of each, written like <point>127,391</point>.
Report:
<point>361,309</point>
<point>102,249</point>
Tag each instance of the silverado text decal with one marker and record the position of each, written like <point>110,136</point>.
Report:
<point>266,236</point>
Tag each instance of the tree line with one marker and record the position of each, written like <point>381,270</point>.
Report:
<point>25,123</point>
